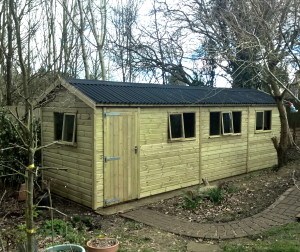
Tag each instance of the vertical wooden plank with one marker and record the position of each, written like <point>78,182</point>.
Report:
<point>137,156</point>
<point>121,142</point>
<point>126,155</point>
<point>120,175</point>
<point>248,139</point>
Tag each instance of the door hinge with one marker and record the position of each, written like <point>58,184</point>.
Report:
<point>106,159</point>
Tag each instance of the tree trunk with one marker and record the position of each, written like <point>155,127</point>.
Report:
<point>283,145</point>
<point>9,57</point>
<point>82,40</point>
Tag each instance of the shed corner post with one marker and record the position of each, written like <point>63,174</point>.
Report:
<point>248,139</point>
<point>200,144</point>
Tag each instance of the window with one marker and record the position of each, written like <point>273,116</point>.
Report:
<point>227,126</point>
<point>215,123</point>
<point>225,123</point>
<point>237,121</point>
<point>65,127</point>
<point>182,125</point>
<point>263,120</point>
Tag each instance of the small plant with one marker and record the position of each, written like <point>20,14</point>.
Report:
<point>64,229</point>
<point>191,200</point>
<point>215,195</point>
<point>60,227</point>
<point>82,222</point>
<point>228,187</point>
<point>16,236</point>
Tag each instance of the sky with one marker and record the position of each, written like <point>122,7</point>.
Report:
<point>190,42</point>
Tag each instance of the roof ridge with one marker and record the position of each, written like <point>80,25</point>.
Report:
<point>145,85</point>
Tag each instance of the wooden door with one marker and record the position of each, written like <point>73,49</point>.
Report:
<point>120,156</point>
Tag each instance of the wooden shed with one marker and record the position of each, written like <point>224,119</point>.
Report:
<point>125,141</point>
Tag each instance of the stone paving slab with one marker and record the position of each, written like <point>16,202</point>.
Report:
<point>284,210</point>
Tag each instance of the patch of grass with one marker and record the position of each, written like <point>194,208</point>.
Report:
<point>215,195</point>
<point>279,239</point>
<point>133,225</point>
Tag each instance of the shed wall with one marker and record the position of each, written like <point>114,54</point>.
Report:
<point>165,165</point>
<point>225,155</point>
<point>77,182</point>
<point>99,158</point>
<point>262,153</point>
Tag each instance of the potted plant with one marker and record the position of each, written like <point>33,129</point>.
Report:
<point>102,244</point>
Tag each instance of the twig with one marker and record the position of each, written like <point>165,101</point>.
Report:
<point>53,168</point>
<point>2,196</point>
<point>6,175</point>
<point>294,180</point>
<point>1,243</point>
<point>52,208</point>
<point>45,146</point>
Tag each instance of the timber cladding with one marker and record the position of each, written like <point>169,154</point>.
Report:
<point>70,166</point>
<point>117,153</point>
<point>166,165</point>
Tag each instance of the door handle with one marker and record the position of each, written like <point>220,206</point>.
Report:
<point>136,149</point>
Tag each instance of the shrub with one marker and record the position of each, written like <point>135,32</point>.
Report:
<point>13,153</point>
<point>228,187</point>
<point>63,229</point>
<point>215,195</point>
<point>60,227</point>
<point>191,200</point>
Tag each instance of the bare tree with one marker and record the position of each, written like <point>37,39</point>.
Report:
<point>159,52</point>
<point>98,31</point>
<point>124,21</point>
<point>265,31</point>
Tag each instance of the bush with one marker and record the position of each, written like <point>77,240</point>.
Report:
<point>191,200</point>
<point>13,153</point>
<point>215,195</point>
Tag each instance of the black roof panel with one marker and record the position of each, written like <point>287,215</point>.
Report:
<point>108,92</point>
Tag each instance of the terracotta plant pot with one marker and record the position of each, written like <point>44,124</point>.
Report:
<point>22,193</point>
<point>102,244</point>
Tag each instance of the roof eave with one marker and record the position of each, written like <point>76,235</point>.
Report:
<point>184,105</point>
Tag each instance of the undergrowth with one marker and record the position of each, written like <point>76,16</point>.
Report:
<point>192,199</point>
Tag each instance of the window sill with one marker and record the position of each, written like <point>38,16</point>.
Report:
<point>225,135</point>
<point>66,143</point>
<point>215,136</point>
<point>181,140</point>
<point>262,131</point>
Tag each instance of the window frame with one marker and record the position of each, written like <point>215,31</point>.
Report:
<point>183,131</point>
<point>221,123</point>
<point>63,133</point>
<point>263,121</point>
<point>231,130</point>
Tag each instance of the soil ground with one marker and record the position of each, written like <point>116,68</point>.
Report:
<point>245,195</point>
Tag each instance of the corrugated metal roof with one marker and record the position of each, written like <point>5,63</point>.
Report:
<point>106,92</point>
